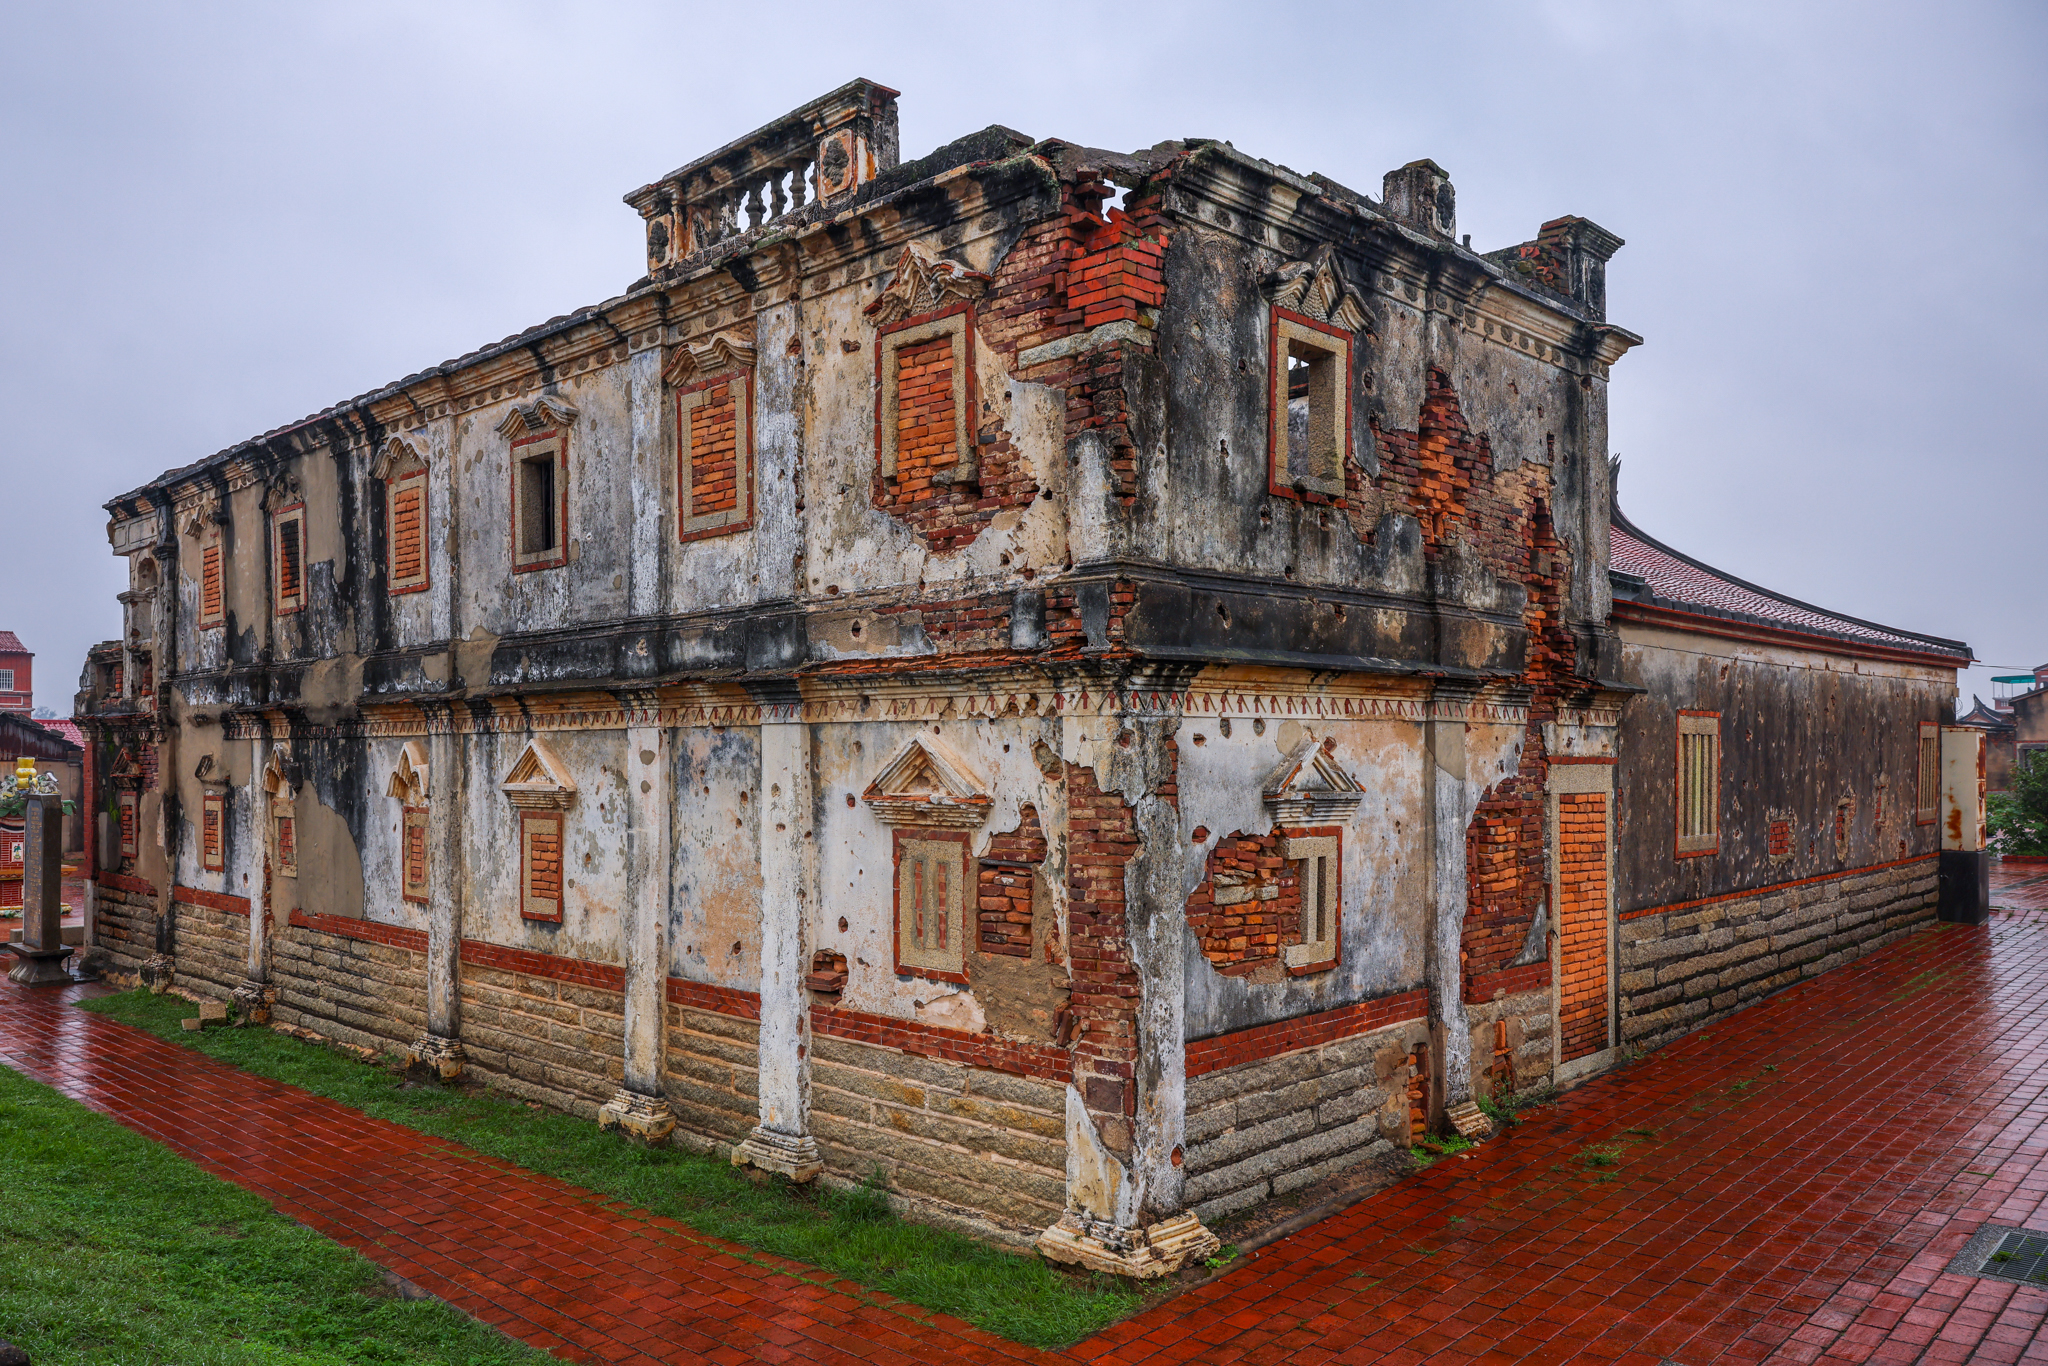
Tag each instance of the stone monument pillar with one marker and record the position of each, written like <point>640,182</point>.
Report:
<point>39,957</point>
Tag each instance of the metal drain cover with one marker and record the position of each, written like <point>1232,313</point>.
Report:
<point>2005,1253</point>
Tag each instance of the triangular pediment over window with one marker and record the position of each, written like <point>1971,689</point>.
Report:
<point>125,772</point>
<point>545,414</point>
<point>539,781</point>
<point>1311,788</point>
<point>924,283</point>
<point>409,775</point>
<point>277,780</point>
<point>1316,288</point>
<point>925,784</point>
<point>400,458</point>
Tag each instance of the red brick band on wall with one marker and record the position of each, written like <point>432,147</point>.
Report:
<point>744,1005</point>
<point>602,975</point>
<point>1047,1061</point>
<point>121,882</point>
<point>1769,888</point>
<point>192,896</point>
<point>398,936</point>
<point>1512,981</point>
<point>1304,1031</point>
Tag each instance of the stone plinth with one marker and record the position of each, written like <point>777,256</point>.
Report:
<point>1141,1254</point>
<point>645,1119</point>
<point>790,1155</point>
<point>433,1058</point>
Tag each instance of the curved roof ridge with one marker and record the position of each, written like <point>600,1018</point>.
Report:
<point>1670,583</point>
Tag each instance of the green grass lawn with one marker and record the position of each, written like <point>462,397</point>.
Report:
<point>852,1234</point>
<point>114,1250</point>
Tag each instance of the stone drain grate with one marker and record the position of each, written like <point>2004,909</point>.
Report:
<point>2008,1254</point>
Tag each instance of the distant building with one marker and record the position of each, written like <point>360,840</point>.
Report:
<point>1999,734</point>
<point>2029,709</point>
<point>15,680</point>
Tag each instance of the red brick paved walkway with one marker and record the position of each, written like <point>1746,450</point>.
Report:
<point>1787,1186</point>
<point>2019,886</point>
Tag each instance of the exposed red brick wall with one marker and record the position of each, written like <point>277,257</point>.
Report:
<point>1102,840</point>
<point>211,816</point>
<point>213,901</point>
<point>1241,936</point>
<point>1304,1031</point>
<point>398,936</point>
<point>714,452</point>
<point>1505,872</point>
<point>1582,921</point>
<point>408,534</point>
<point>541,875</point>
<point>1004,893</point>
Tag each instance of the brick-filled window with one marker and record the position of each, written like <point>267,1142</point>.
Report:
<point>1317,859</point>
<point>715,456</point>
<point>1780,840</point>
<point>1699,783</point>
<point>413,858</point>
<point>931,903</point>
<point>287,841</point>
<point>540,865</point>
<point>1310,408</point>
<point>212,601</point>
<point>405,511</point>
<point>924,382</point>
<point>213,832</point>
<point>540,501</point>
<point>1583,924</point>
<point>126,804</point>
<point>1927,804</point>
<point>288,554</point>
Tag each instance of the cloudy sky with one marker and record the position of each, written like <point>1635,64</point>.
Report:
<point>220,218</point>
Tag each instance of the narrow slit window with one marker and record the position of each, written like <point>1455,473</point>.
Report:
<point>406,538</point>
<point>413,855</point>
<point>1315,858</point>
<point>212,832</point>
<point>128,825</point>
<point>1699,782</point>
<point>211,609</point>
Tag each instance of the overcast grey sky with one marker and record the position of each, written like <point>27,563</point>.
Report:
<point>220,218</point>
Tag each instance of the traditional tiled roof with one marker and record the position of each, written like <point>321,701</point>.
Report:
<point>1646,571</point>
<point>10,644</point>
<point>67,729</point>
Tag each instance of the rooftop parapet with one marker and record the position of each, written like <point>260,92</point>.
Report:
<point>817,153</point>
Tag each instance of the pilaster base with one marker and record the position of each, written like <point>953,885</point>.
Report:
<point>644,1119</point>
<point>1141,1254</point>
<point>433,1058</point>
<point>157,972</point>
<point>39,967</point>
<point>253,1001</point>
<point>792,1155</point>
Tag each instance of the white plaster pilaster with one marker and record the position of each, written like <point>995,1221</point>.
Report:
<point>444,889</point>
<point>1453,800</point>
<point>782,1140</point>
<point>646,918</point>
<point>254,850</point>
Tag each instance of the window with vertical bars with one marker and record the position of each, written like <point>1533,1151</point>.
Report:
<point>931,904</point>
<point>1699,783</point>
<point>127,825</point>
<point>1927,804</point>
<point>413,853</point>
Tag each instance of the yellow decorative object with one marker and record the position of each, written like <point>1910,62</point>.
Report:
<point>25,772</point>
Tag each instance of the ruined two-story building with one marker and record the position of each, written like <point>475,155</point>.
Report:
<point>1083,680</point>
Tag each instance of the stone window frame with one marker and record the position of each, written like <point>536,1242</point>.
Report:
<point>530,907</point>
<point>690,525</point>
<point>552,442</point>
<point>1927,785</point>
<point>405,471</point>
<point>1298,847</point>
<point>1289,329</point>
<point>912,848</point>
<point>412,824</point>
<point>128,824</point>
<point>957,321</point>
<point>1695,795</point>
<point>288,600</point>
<point>213,820</point>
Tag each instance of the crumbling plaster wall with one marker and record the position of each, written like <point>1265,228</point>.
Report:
<point>1388,877</point>
<point>714,893</point>
<point>1800,732</point>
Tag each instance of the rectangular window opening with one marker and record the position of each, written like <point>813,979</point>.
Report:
<point>1311,408</point>
<point>540,865</point>
<point>290,548</point>
<point>406,539</point>
<point>212,838</point>
<point>1699,783</point>
<point>1318,876</point>
<point>1927,803</point>
<point>537,505</point>
<point>931,878</point>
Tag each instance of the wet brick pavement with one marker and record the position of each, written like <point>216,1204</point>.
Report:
<point>1789,1185</point>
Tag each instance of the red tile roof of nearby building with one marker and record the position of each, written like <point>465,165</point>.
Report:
<point>1652,574</point>
<point>10,644</point>
<point>66,728</point>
